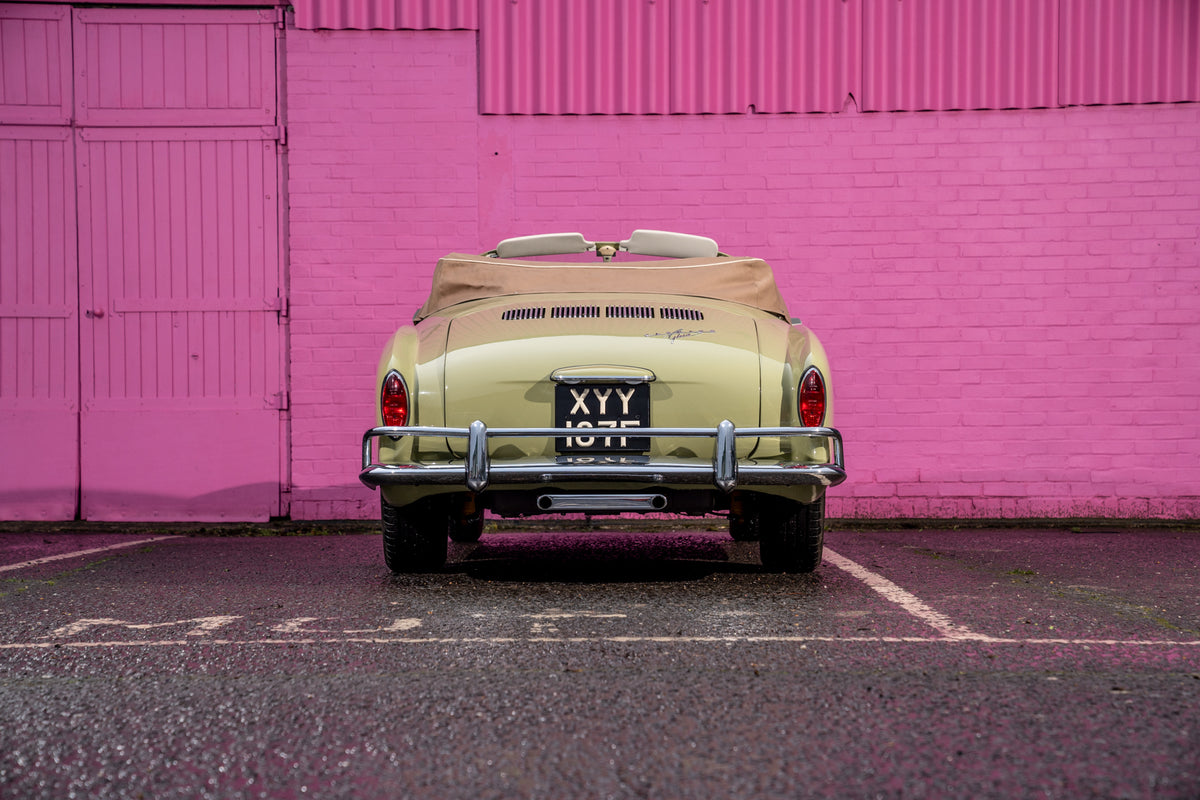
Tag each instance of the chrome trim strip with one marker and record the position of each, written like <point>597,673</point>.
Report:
<point>602,373</point>
<point>725,471</point>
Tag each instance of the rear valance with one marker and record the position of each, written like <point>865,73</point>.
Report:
<point>460,278</point>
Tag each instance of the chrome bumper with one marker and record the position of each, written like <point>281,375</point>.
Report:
<point>476,471</point>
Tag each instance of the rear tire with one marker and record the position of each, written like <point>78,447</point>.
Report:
<point>414,536</point>
<point>793,536</point>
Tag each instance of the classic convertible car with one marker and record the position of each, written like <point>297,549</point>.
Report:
<point>532,383</point>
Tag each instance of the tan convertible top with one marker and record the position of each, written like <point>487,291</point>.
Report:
<point>459,278</point>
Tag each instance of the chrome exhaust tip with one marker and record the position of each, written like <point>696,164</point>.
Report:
<point>613,503</point>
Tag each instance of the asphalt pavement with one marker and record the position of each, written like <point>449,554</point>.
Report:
<point>1014,662</point>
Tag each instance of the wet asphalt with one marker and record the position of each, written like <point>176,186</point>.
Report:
<point>915,663</point>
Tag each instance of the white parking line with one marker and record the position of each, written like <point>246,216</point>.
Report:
<point>803,641</point>
<point>78,553</point>
<point>908,601</point>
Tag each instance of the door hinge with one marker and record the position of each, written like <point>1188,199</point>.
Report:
<point>280,401</point>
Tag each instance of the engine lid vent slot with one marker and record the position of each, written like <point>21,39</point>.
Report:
<point>629,312</point>
<point>681,313</point>
<point>574,312</point>
<point>524,313</point>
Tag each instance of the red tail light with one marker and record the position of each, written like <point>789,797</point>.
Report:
<point>393,400</point>
<point>812,399</point>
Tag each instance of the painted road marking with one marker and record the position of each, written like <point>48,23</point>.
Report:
<point>78,553</point>
<point>949,629</point>
<point>296,625</point>
<point>203,625</point>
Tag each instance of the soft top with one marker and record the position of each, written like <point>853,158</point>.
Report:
<point>460,278</point>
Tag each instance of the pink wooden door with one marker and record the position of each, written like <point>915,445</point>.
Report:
<point>39,366</point>
<point>182,351</point>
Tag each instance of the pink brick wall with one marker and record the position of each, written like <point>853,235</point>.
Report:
<point>1010,298</point>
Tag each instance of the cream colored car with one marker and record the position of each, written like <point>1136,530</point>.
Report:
<point>534,383</point>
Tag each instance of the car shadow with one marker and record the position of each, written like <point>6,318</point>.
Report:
<point>602,557</point>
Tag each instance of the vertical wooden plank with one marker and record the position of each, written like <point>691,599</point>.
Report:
<point>182,363</point>
<point>239,62</point>
<point>153,75</point>
<point>148,226</point>
<point>14,80</point>
<point>196,71</point>
<point>223,251</point>
<point>104,206</point>
<point>60,283</point>
<point>163,228</point>
<point>107,60</point>
<point>193,266</point>
<point>127,271</point>
<point>209,219</point>
<point>40,224</point>
<point>85,201</point>
<point>240,260</point>
<point>174,66</point>
<point>129,67</point>
<point>217,65</point>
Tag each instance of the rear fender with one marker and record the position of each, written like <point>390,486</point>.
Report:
<point>787,352</point>
<point>417,353</point>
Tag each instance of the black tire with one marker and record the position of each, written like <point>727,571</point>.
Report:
<point>793,536</point>
<point>414,536</point>
<point>467,529</point>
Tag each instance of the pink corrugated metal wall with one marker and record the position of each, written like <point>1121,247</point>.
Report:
<point>606,57</point>
<point>1130,51</point>
<point>947,54</point>
<point>392,15</point>
<point>674,56</point>
<point>728,56</point>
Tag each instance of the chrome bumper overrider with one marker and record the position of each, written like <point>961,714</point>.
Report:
<point>476,471</point>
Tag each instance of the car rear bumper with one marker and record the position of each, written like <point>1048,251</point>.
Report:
<point>726,471</point>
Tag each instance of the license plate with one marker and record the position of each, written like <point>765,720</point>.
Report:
<point>604,459</point>
<point>605,414</point>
